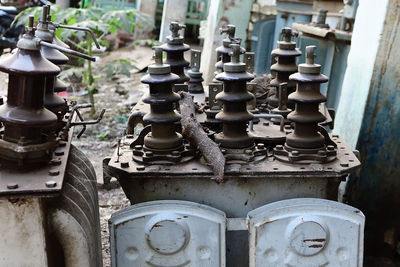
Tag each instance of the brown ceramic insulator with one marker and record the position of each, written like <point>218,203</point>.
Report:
<point>24,117</point>
<point>234,115</point>
<point>195,85</point>
<point>175,49</point>
<point>161,98</point>
<point>285,66</point>
<point>224,51</point>
<point>307,97</point>
<point>52,101</point>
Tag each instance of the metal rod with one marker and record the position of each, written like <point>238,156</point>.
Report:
<point>57,25</point>
<point>268,116</point>
<point>68,51</point>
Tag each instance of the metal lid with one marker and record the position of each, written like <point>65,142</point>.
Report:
<point>159,67</point>
<point>235,65</point>
<point>310,67</point>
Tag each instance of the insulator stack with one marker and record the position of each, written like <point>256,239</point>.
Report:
<point>234,115</point>
<point>224,51</point>
<point>161,98</point>
<point>286,54</point>
<point>51,100</point>
<point>195,85</point>
<point>306,143</point>
<point>24,117</point>
<point>175,49</point>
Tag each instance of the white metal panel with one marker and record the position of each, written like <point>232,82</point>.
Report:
<point>22,242</point>
<point>306,232</point>
<point>168,233</point>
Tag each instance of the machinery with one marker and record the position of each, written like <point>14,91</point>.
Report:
<point>49,205</point>
<point>277,203</point>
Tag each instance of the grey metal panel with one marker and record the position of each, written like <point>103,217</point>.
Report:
<point>306,232</point>
<point>168,233</point>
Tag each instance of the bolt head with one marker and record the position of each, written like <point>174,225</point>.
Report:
<point>51,184</point>
<point>260,146</point>
<point>55,162</point>
<point>54,172</point>
<point>295,153</point>
<point>59,153</point>
<point>12,186</point>
<point>124,164</point>
<point>140,168</point>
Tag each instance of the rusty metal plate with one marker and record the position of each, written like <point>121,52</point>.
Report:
<point>41,182</point>
<point>124,166</point>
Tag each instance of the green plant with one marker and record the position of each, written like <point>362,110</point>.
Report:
<point>118,67</point>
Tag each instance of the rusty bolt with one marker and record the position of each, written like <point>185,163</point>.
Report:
<point>140,168</point>
<point>344,164</point>
<point>59,153</point>
<point>124,164</point>
<point>295,153</point>
<point>279,147</point>
<point>54,172</point>
<point>149,154</point>
<point>129,136</point>
<point>12,186</point>
<point>260,146</point>
<point>176,153</point>
<point>138,147</point>
<point>51,184</point>
<point>55,162</point>
<point>330,148</point>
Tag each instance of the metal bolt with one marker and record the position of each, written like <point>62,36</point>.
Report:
<point>260,146</point>
<point>55,162</point>
<point>140,168</point>
<point>124,164</point>
<point>12,186</point>
<point>344,164</point>
<point>279,147</point>
<point>54,172</point>
<point>330,148</point>
<point>138,147</point>
<point>295,153</point>
<point>51,184</point>
<point>129,136</point>
<point>176,153</point>
<point>149,154</point>
<point>59,153</point>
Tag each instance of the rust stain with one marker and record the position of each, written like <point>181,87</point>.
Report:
<point>315,240</point>
<point>315,246</point>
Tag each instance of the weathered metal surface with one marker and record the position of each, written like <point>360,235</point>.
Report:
<point>306,232</point>
<point>175,49</point>
<point>234,115</point>
<point>195,83</point>
<point>285,65</point>
<point>23,241</point>
<point>213,107</point>
<point>282,108</point>
<point>308,142</point>
<point>168,233</point>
